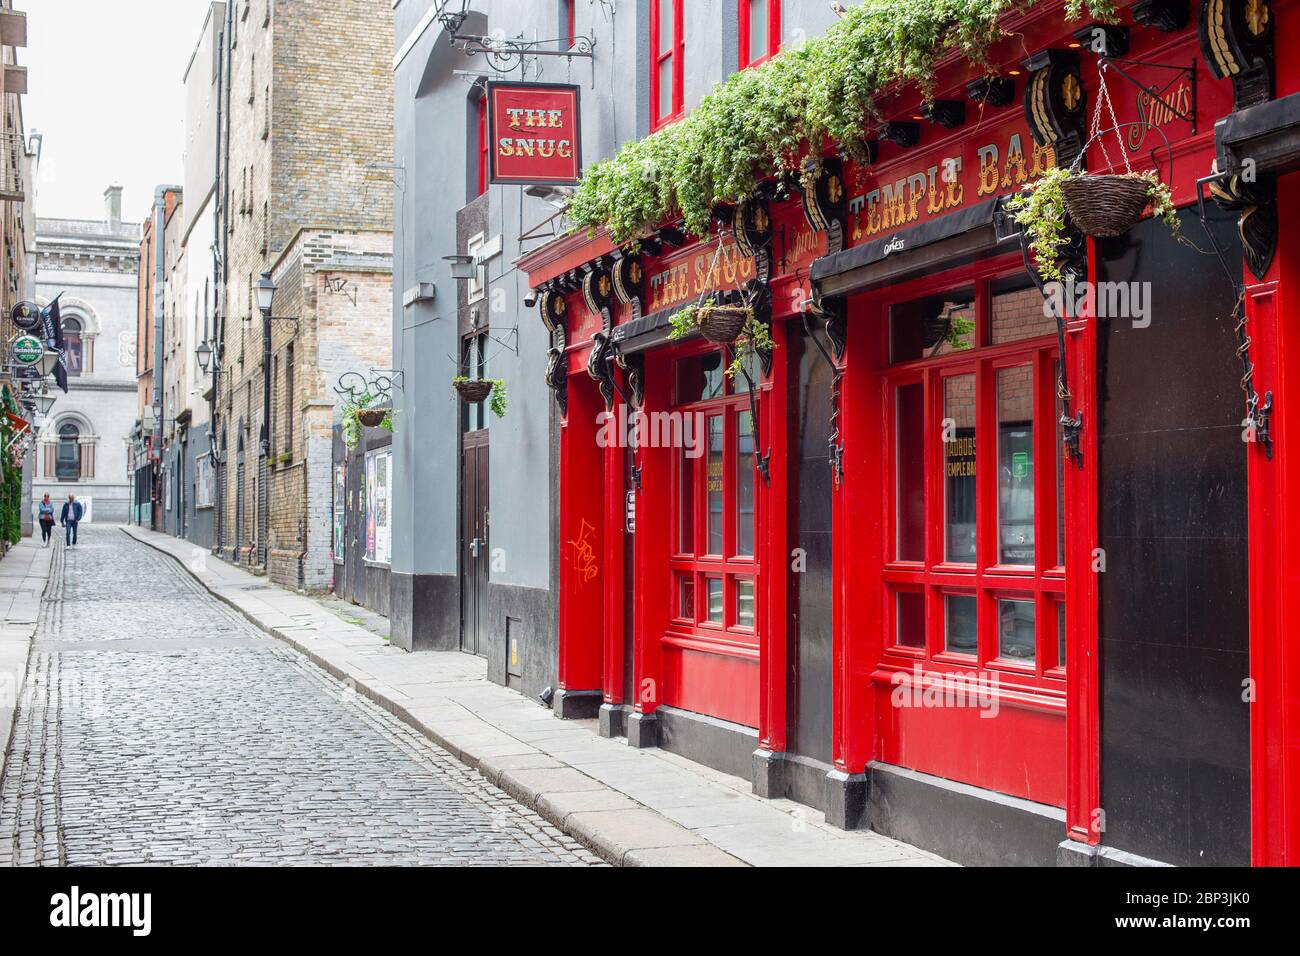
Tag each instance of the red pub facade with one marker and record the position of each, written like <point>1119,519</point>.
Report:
<point>1008,588</point>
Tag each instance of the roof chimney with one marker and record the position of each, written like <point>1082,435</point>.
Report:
<point>113,205</point>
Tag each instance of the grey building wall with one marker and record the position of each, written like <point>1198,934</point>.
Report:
<point>93,264</point>
<point>435,158</point>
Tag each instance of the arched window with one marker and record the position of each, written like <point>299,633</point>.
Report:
<point>67,457</point>
<point>73,346</point>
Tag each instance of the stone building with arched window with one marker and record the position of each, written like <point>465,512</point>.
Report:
<point>83,448</point>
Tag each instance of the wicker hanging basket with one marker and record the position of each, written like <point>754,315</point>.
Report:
<point>720,324</point>
<point>372,417</point>
<point>1106,205</point>
<point>473,390</point>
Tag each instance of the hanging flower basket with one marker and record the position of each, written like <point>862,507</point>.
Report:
<point>1106,205</point>
<point>473,390</point>
<point>372,417</point>
<point>721,324</point>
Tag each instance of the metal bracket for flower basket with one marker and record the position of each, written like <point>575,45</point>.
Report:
<point>1259,411</point>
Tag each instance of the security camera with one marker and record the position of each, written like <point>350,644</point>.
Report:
<point>530,300</point>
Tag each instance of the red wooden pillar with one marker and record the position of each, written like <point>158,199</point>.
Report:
<point>582,539</point>
<point>775,557</point>
<point>858,536</point>
<point>654,585</point>
<point>613,577</point>
<point>1084,821</point>
<point>1273,486</point>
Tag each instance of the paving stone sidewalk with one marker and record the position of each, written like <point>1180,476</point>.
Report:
<point>633,807</point>
<point>24,572</point>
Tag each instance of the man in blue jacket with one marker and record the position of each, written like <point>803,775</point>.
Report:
<point>70,518</point>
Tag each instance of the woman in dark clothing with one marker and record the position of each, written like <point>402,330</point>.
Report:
<point>46,515</point>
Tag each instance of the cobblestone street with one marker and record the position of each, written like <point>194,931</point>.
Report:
<point>158,726</point>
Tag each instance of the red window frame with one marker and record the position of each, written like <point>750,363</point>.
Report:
<point>772,10</point>
<point>483,145</point>
<point>659,54</point>
<point>698,566</point>
<point>987,579</point>
<point>569,20</point>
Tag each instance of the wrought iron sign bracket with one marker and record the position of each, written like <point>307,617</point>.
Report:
<point>1158,93</point>
<point>507,55</point>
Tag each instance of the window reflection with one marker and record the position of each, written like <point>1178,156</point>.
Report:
<point>1016,465</point>
<point>910,450</point>
<point>744,484</point>
<point>910,608</point>
<point>1016,631</point>
<point>959,468</point>
<point>960,625</point>
<point>715,484</point>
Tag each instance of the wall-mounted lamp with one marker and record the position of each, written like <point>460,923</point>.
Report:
<point>463,267</point>
<point>204,355</point>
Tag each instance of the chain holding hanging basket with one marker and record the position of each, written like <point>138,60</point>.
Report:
<point>1109,204</point>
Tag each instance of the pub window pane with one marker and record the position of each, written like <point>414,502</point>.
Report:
<point>744,484</point>
<point>1016,631</point>
<point>1017,311</point>
<point>757,29</point>
<point>665,87</point>
<point>744,602</point>
<point>1060,634</point>
<point>1016,465</point>
<point>715,600</point>
<point>714,488</point>
<point>910,449</point>
<point>921,328</point>
<point>686,507</point>
<point>959,624</point>
<point>699,377</point>
<point>686,597</point>
<point>67,459</point>
<point>959,468</point>
<point>910,611</point>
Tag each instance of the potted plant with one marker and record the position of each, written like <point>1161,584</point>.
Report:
<point>358,412</point>
<point>724,324</point>
<point>475,390</point>
<point>1098,205</point>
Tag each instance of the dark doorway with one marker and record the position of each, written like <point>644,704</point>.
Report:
<point>475,553</point>
<point>809,691</point>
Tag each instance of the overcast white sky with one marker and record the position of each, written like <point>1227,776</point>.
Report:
<point>105,81</point>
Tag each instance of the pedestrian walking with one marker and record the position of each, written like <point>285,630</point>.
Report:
<point>70,518</point>
<point>45,514</point>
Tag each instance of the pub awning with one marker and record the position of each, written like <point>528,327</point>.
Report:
<point>951,240</point>
<point>1267,135</point>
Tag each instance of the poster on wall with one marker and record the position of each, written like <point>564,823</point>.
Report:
<point>535,133</point>
<point>378,514</point>
<point>340,510</point>
<point>204,482</point>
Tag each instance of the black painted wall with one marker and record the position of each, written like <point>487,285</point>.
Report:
<point>1174,630</point>
<point>809,689</point>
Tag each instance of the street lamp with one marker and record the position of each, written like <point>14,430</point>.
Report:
<point>265,290</point>
<point>44,402</point>
<point>204,354</point>
<point>48,361</point>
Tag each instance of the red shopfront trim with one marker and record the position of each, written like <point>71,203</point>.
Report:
<point>770,12</point>
<point>667,48</point>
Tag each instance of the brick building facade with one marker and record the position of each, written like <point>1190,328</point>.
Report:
<point>309,119</point>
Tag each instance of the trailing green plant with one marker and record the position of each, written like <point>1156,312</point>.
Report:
<point>498,400</point>
<point>755,335</point>
<point>959,332</point>
<point>1040,211</point>
<point>763,121</point>
<point>352,408</point>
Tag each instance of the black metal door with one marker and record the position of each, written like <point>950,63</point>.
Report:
<point>355,532</point>
<point>475,551</point>
<point>809,693</point>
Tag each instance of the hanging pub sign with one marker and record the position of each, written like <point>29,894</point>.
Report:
<point>27,350</point>
<point>26,316</point>
<point>534,134</point>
